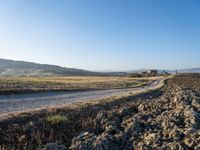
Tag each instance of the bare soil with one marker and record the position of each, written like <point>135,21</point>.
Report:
<point>166,118</point>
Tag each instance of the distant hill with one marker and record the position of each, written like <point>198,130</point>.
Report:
<point>190,70</point>
<point>22,68</point>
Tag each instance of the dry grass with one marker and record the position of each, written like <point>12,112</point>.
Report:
<point>32,130</point>
<point>31,84</point>
<point>59,124</point>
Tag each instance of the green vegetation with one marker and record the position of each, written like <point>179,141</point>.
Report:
<point>56,119</point>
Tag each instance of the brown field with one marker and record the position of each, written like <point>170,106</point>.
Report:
<point>34,84</point>
<point>166,118</point>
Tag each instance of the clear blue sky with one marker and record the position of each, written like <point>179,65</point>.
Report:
<point>102,34</point>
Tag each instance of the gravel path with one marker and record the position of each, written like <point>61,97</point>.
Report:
<point>23,102</point>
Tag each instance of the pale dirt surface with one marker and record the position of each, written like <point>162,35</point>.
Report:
<point>26,102</point>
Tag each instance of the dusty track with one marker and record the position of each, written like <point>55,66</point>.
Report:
<point>25,102</point>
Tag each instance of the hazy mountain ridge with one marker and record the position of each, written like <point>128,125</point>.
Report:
<point>190,70</point>
<point>23,68</point>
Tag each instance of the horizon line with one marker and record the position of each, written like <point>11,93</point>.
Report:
<point>105,71</point>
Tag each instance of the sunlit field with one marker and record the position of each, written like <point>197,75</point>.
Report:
<point>35,84</point>
<point>176,102</point>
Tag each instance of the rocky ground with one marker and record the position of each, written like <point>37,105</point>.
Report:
<point>164,119</point>
<point>171,121</point>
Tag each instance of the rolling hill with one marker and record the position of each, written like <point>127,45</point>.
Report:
<point>22,68</point>
<point>190,70</point>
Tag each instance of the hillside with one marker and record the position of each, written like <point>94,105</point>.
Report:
<point>22,68</point>
<point>190,70</point>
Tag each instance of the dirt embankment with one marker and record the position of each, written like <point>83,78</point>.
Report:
<point>163,119</point>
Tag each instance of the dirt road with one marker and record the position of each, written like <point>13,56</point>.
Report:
<point>23,102</point>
